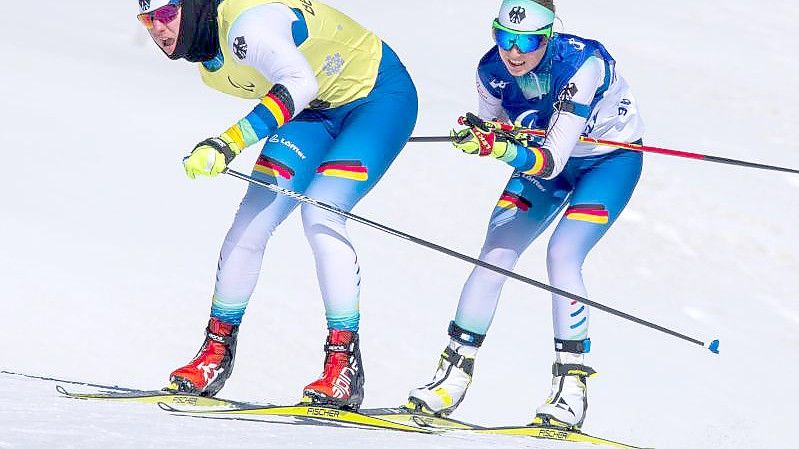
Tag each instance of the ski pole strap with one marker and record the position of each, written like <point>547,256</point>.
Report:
<point>500,129</point>
<point>571,369</point>
<point>573,346</point>
<point>463,336</point>
<point>473,121</point>
<point>459,360</point>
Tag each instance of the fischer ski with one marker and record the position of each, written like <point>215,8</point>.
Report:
<point>396,418</point>
<point>401,418</point>
<point>554,433</point>
<point>306,411</point>
<point>407,416</point>
<point>153,397</point>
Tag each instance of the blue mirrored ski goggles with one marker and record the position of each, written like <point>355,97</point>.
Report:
<point>526,42</point>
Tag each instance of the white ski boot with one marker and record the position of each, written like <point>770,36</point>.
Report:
<point>453,376</point>
<point>568,400</point>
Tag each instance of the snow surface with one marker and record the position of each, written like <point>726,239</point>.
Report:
<point>108,251</point>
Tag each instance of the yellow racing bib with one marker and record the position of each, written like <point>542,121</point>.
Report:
<point>344,56</point>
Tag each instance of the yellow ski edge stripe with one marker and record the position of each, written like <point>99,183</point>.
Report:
<point>376,421</point>
<point>166,398</point>
<point>555,434</point>
<point>424,420</point>
<point>325,413</point>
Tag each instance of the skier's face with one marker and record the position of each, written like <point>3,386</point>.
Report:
<point>165,34</point>
<point>519,63</point>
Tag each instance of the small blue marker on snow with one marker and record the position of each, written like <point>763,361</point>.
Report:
<point>714,346</point>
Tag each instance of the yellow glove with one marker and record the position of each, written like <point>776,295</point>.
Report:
<point>485,138</point>
<point>210,157</point>
<point>477,141</point>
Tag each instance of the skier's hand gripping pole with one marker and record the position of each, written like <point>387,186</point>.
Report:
<point>485,138</point>
<point>210,157</point>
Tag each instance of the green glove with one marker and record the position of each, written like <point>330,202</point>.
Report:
<point>210,157</point>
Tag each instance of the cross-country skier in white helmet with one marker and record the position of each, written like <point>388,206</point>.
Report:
<point>336,106</point>
<point>568,86</point>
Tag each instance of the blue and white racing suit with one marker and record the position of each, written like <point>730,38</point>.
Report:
<point>574,91</point>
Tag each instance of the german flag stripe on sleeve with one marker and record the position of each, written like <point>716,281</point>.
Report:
<point>277,108</point>
<point>540,161</point>
<point>282,97</point>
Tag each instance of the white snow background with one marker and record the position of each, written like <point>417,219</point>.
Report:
<point>108,252</point>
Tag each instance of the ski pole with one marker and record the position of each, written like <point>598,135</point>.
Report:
<point>712,346</point>
<point>634,147</point>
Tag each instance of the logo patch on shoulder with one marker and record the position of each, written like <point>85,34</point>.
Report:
<point>579,46</point>
<point>569,91</point>
<point>240,47</point>
<point>498,84</point>
<point>517,14</point>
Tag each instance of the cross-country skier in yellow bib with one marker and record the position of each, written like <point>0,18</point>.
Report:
<point>336,106</point>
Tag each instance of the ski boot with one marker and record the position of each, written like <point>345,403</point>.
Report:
<point>452,378</point>
<point>568,401</point>
<point>342,379</point>
<point>207,372</point>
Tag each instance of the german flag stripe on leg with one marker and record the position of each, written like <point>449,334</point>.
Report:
<point>592,213</point>
<point>510,200</point>
<point>272,167</point>
<point>354,170</point>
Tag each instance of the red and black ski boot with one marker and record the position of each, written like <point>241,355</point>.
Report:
<point>207,372</point>
<point>341,383</point>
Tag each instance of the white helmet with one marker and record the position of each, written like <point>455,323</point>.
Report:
<point>152,5</point>
<point>523,15</point>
